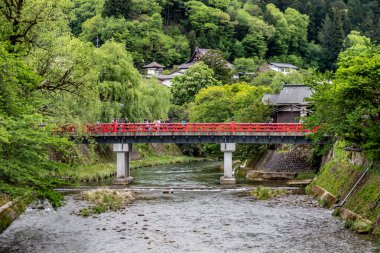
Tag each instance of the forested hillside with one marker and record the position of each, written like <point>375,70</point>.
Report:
<point>79,61</point>
<point>307,33</point>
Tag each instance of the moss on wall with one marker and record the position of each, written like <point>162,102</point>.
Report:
<point>340,174</point>
<point>337,177</point>
<point>10,214</point>
<point>364,199</point>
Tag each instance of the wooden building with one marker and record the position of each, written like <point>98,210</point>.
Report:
<point>290,105</point>
<point>153,69</point>
<point>284,68</point>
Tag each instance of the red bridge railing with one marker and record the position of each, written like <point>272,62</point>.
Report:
<point>190,127</point>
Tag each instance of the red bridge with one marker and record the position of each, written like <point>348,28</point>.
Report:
<point>196,132</point>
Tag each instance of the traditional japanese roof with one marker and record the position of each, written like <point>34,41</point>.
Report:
<point>283,65</point>
<point>168,77</point>
<point>165,77</point>
<point>197,55</point>
<point>290,94</point>
<point>202,50</point>
<point>187,65</point>
<point>270,98</point>
<point>154,65</point>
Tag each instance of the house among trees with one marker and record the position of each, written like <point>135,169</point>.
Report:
<point>167,79</point>
<point>284,68</point>
<point>290,105</point>
<point>197,55</point>
<point>153,69</point>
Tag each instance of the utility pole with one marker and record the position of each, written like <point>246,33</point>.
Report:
<point>97,41</point>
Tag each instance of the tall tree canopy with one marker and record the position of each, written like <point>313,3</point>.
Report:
<point>352,100</point>
<point>186,86</point>
<point>240,101</point>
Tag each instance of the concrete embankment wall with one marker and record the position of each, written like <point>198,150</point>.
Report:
<point>9,211</point>
<point>338,176</point>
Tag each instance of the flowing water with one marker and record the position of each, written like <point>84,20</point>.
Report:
<point>182,208</point>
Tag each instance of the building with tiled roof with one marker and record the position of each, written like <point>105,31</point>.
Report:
<point>284,68</point>
<point>290,104</point>
<point>153,69</point>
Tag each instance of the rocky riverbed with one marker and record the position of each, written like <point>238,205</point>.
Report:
<point>183,213</point>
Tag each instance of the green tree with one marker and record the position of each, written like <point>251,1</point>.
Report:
<point>98,29</point>
<point>255,45</point>
<point>82,11</point>
<point>211,25</point>
<point>117,81</point>
<point>356,42</point>
<point>25,19</point>
<point>153,101</point>
<point>352,100</point>
<point>246,65</point>
<point>221,103</point>
<point>297,25</point>
<point>214,59</point>
<point>276,80</point>
<point>246,68</point>
<point>186,86</point>
<point>144,7</point>
<point>65,64</point>
<point>25,166</point>
<point>279,44</point>
<point>117,8</point>
<point>143,38</point>
<point>331,38</point>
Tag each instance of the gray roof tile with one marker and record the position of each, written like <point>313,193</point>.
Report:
<point>290,94</point>
<point>283,65</point>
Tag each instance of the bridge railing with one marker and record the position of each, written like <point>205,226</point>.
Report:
<point>193,127</point>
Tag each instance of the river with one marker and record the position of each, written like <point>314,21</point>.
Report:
<point>182,208</point>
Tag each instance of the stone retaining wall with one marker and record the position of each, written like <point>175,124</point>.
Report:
<point>325,198</point>
<point>9,212</point>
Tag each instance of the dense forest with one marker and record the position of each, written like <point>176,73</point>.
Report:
<point>79,61</point>
<point>306,33</point>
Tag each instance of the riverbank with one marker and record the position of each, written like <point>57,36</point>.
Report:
<point>101,171</point>
<point>9,210</point>
<point>357,193</point>
<point>101,164</point>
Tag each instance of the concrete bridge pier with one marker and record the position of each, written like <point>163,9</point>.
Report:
<point>227,149</point>
<point>123,175</point>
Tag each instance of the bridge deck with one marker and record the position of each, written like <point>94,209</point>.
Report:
<point>196,132</point>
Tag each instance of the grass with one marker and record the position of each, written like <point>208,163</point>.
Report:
<point>105,170</point>
<point>306,175</point>
<point>358,225</point>
<point>263,193</point>
<point>336,177</point>
<point>104,200</point>
<point>3,199</point>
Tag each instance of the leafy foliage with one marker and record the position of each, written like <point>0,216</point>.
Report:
<point>352,99</point>
<point>74,61</point>
<point>214,59</point>
<point>25,148</point>
<point>240,101</point>
<point>186,86</point>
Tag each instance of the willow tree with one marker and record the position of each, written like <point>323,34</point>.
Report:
<point>117,80</point>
